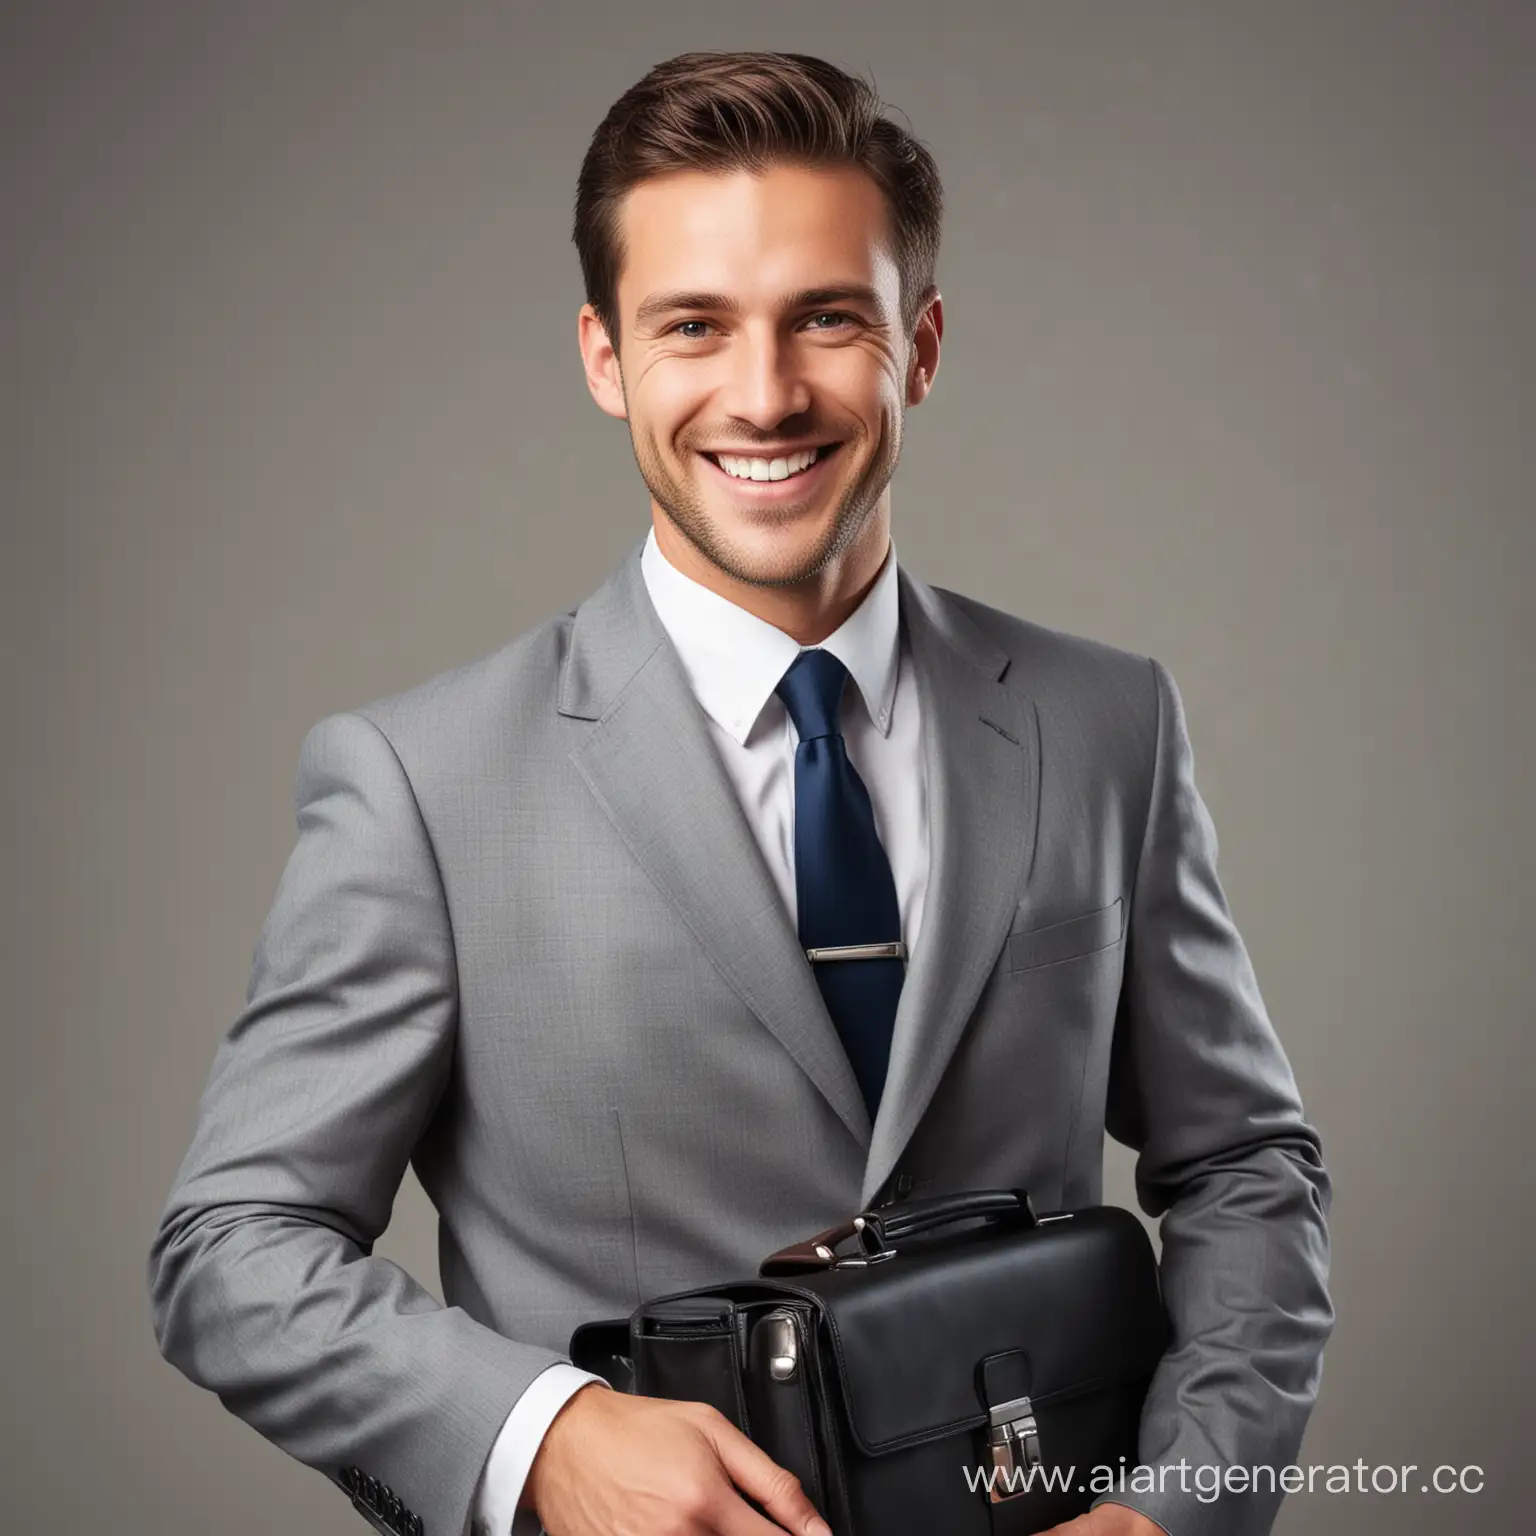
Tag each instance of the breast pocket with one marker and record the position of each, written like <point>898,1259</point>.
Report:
<point>1075,936</point>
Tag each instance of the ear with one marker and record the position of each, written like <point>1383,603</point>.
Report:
<point>601,362</point>
<point>924,362</point>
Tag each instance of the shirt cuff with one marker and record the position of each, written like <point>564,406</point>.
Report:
<point>494,1511</point>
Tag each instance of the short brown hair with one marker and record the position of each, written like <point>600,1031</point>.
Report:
<point>747,111</point>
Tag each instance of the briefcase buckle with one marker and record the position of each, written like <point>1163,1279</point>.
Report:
<point>1014,1440</point>
<point>783,1344</point>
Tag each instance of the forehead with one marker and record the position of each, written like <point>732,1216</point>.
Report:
<point>752,235</point>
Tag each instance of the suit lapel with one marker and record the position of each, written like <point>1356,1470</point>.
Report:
<point>982,750</point>
<point>653,768</point>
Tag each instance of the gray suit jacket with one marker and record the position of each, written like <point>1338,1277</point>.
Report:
<point>526,943</point>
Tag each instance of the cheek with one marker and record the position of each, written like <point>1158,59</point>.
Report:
<point>668,400</point>
<point>866,386</point>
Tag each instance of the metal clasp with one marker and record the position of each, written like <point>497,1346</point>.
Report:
<point>871,1234</point>
<point>896,949</point>
<point>1015,1444</point>
<point>783,1345</point>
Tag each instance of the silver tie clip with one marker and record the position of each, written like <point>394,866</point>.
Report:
<point>893,951</point>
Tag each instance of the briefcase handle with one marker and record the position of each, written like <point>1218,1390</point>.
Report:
<point>878,1231</point>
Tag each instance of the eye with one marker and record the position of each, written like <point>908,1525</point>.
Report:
<point>694,336</point>
<point>830,314</point>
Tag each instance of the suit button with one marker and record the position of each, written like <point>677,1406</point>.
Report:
<point>903,1185</point>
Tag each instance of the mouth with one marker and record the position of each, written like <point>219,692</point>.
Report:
<point>759,478</point>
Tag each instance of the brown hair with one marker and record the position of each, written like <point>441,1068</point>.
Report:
<point>746,111</point>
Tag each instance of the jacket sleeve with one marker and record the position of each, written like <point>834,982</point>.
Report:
<point>263,1284</point>
<point>1201,1089</point>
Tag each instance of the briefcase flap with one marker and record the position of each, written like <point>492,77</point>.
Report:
<point>1077,1296</point>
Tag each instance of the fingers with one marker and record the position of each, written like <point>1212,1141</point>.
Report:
<point>661,1468</point>
<point>774,1487</point>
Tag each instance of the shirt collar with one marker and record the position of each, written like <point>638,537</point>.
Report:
<point>734,660</point>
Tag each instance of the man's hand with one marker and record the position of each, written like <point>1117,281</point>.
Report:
<point>1109,1520</point>
<point>612,1464</point>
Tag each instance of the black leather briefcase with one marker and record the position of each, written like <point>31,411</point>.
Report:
<point>937,1367</point>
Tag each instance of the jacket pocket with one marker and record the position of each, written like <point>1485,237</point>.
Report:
<point>1066,940</point>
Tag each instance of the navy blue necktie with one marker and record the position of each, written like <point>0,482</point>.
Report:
<point>844,890</point>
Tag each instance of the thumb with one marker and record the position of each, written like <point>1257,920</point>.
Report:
<point>775,1488</point>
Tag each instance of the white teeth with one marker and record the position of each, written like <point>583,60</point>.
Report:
<point>766,469</point>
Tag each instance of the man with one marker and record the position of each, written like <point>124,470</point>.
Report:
<point>546,929</point>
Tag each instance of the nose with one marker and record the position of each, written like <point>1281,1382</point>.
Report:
<point>766,382</point>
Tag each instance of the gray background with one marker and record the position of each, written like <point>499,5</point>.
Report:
<point>1238,372</point>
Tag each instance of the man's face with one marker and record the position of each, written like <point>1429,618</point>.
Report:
<point>761,363</point>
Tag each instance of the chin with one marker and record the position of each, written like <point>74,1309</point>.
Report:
<point>766,545</point>
<point>778,555</point>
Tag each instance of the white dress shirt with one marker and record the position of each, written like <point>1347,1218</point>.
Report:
<point>734,662</point>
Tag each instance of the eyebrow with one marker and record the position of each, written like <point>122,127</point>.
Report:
<point>658,305</point>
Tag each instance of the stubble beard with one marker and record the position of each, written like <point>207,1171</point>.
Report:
<point>683,504</point>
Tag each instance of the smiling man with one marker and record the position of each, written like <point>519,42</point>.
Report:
<point>571,928</point>
<point>763,350</point>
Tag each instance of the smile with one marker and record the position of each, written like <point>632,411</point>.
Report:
<point>756,470</point>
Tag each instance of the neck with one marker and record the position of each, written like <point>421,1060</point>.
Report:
<point>808,610</point>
